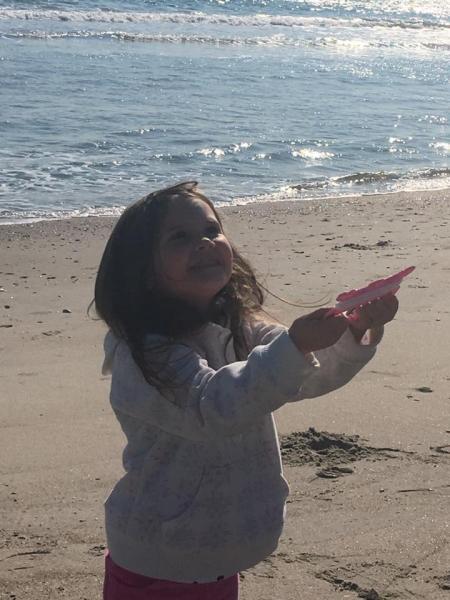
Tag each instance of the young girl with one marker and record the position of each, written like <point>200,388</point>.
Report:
<point>196,376</point>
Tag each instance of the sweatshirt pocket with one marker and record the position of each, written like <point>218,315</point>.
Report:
<point>171,479</point>
<point>176,497</point>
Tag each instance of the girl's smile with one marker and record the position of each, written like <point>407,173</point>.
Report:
<point>194,258</point>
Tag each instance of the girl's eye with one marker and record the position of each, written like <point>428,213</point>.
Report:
<point>179,235</point>
<point>212,231</point>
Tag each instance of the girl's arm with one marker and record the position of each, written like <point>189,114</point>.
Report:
<point>354,348</point>
<point>366,327</point>
<point>208,403</point>
<point>338,362</point>
<point>224,402</point>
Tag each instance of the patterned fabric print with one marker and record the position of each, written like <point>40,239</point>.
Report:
<point>213,500</point>
<point>204,495</point>
<point>140,438</point>
<point>155,495</point>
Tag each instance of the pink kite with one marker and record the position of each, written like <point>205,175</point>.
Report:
<point>347,301</point>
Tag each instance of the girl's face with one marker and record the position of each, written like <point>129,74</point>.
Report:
<point>193,259</point>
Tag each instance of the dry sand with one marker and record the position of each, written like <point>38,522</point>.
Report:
<point>367,517</point>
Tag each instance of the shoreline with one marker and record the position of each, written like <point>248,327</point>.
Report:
<point>60,449</point>
<point>320,201</point>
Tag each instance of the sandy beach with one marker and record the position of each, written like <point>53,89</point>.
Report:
<point>368,514</point>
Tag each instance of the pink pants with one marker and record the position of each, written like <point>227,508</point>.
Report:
<point>121,584</point>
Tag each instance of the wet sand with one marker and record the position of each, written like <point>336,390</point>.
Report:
<point>370,482</point>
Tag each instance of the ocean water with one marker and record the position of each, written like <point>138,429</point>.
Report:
<point>102,102</point>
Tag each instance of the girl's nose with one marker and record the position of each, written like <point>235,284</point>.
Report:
<point>205,242</point>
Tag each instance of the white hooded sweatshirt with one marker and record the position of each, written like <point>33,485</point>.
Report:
<point>203,494</point>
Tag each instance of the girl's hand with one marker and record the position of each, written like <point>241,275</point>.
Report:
<point>372,317</point>
<point>375,314</point>
<point>314,331</point>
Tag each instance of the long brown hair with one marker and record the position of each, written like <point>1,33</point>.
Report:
<point>132,311</point>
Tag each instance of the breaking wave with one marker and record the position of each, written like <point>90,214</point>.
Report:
<point>256,20</point>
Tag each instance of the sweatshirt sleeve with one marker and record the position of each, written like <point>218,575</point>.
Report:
<point>227,401</point>
<point>258,332</point>
<point>338,364</point>
<point>211,402</point>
